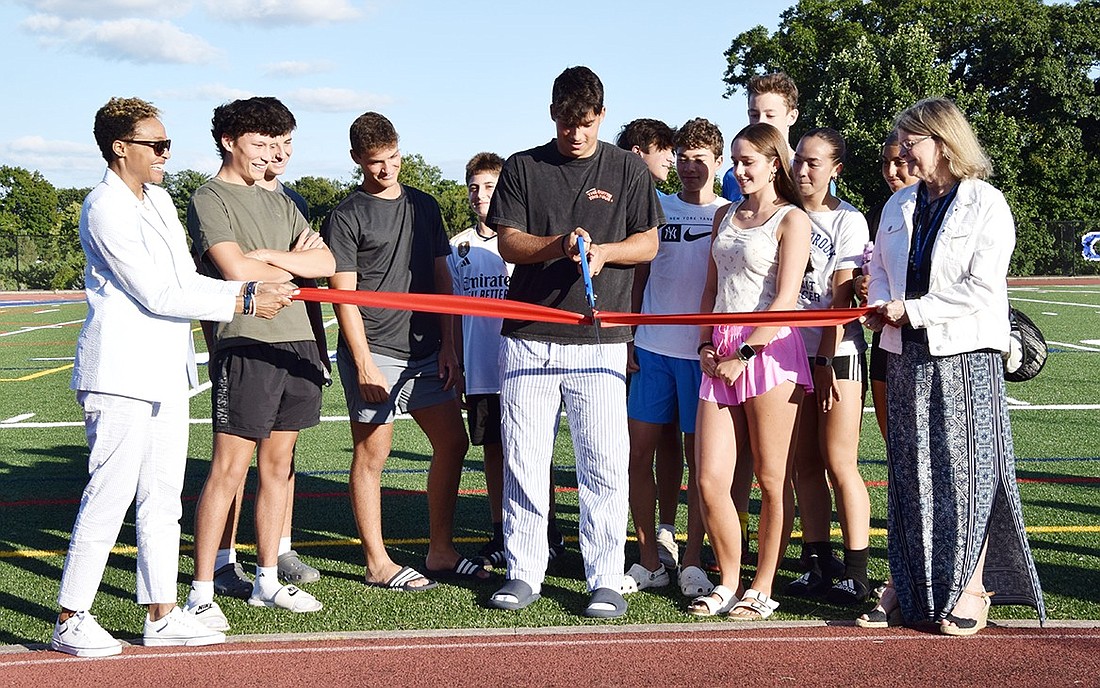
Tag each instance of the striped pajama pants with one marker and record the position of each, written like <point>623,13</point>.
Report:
<point>537,378</point>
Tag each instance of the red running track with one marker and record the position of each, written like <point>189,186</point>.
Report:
<point>726,653</point>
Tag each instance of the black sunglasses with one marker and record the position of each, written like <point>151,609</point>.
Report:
<point>159,147</point>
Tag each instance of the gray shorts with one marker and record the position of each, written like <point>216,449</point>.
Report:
<point>413,385</point>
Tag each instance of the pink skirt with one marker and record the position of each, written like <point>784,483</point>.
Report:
<point>783,359</point>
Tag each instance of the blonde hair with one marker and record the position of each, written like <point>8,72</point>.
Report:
<point>941,119</point>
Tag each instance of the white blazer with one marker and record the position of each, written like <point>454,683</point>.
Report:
<point>966,307</point>
<point>143,292</point>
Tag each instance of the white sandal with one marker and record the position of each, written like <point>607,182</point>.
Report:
<point>756,602</point>
<point>707,605</point>
<point>694,582</point>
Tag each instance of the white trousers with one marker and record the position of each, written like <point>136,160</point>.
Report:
<point>138,453</point>
<point>590,379</point>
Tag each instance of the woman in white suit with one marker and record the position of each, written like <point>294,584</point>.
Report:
<point>939,279</point>
<point>135,361</point>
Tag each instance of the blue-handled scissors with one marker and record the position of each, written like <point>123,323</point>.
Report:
<point>589,294</point>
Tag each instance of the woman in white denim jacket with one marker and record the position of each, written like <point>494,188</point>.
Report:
<point>939,280</point>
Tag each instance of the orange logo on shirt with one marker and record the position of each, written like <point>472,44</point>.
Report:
<point>594,194</point>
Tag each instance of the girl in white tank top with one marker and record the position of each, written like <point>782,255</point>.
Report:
<point>753,378</point>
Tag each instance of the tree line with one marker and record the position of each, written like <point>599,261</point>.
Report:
<point>1025,72</point>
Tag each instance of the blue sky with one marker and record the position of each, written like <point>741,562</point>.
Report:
<point>454,77</point>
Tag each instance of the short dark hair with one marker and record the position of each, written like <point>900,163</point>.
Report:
<point>577,93</point>
<point>116,121</point>
<point>646,134</point>
<point>778,83</point>
<point>484,162</point>
<point>699,133</point>
<point>371,131</point>
<point>259,115</point>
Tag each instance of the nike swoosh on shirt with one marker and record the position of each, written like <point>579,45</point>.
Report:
<point>688,236</point>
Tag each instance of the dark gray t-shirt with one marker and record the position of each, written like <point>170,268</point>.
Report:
<point>391,245</point>
<point>544,193</point>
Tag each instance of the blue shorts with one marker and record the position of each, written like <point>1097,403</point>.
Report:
<point>664,388</point>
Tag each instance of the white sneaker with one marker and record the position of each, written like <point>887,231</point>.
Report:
<point>209,613</point>
<point>179,628</point>
<point>287,597</point>
<point>81,635</point>
<point>667,549</point>
<point>640,578</point>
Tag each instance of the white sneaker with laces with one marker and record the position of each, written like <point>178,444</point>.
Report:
<point>209,613</point>
<point>667,549</point>
<point>81,635</point>
<point>177,627</point>
<point>640,578</point>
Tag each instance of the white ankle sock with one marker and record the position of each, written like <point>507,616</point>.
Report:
<point>284,545</point>
<point>225,556</point>
<point>202,592</point>
<point>267,581</point>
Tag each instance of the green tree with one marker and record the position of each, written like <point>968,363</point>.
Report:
<point>451,195</point>
<point>180,186</point>
<point>322,195</point>
<point>1023,71</point>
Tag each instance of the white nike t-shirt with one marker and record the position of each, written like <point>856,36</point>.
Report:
<point>677,276</point>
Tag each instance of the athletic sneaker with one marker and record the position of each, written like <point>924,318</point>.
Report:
<point>209,613</point>
<point>667,549</point>
<point>231,581</point>
<point>293,570</point>
<point>287,597</point>
<point>81,635</point>
<point>809,584</point>
<point>177,627</point>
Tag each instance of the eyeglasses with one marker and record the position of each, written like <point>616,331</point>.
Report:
<point>159,147</point>
<point>906,146</point>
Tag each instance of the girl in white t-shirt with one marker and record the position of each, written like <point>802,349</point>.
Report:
<point>830,420</point>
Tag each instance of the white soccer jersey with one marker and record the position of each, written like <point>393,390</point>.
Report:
<point>478,270</point>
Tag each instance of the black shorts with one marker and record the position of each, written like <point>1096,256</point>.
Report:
<point>878,359</point>
<point>260,388</point>
<point>483,417</point>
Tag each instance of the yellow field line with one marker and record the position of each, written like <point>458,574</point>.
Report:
<point>355,542</point>
<point>38,374</point>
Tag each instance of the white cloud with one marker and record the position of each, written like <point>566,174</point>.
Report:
<point>335,100</point>
<point>109,9</point>
<point>288,12</point>
<point>141,41</point>
<point>205,92</point>
<point>292,68</point>
<point>46,156</point>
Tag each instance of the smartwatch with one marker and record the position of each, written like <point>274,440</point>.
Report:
<point>824,361</point>
<point>745,352</point>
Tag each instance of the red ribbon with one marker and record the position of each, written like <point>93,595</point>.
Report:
<point>517,310</point>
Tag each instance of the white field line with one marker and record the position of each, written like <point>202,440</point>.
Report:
<point>18,419</point>
<point>24,330</point>
<point>1055,303</point>
<point>56,358</point>
<point>199,390</point>
<point>344,419</point>
<point>1017,402</point>
<point>542,643</point>
<point>48,310</point>
<point>1072,346</point>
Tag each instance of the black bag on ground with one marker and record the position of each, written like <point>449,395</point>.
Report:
<point>1027,352</point>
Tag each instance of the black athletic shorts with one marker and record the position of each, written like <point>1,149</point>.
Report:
<point>483,417</point>
<point>260,388</point>
<point>878,359</point>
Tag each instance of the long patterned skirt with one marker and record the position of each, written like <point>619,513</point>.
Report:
<point>952,484</point>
